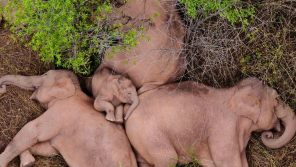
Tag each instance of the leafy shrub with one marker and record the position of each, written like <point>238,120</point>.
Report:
<point>62,32</point>
<point>225,8</point>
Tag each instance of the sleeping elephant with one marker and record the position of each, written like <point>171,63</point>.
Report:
<point>158,59</point>
<point>69,126</point>
<point>188,119</point>
<point>111,91</point>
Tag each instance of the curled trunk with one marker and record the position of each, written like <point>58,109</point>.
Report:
<point>135,103</point>
<point>287,116</point>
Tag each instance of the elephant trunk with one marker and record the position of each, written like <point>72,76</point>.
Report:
<point>24,82</point>
<point>135,103</point>
<point>287,116</point>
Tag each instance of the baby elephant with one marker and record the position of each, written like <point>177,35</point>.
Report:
<point>70,126</point>
<point>111,91</point>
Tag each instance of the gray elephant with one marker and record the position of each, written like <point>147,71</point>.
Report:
<point>111,91</point>
<point>188,119</point>
<point>70,126</point>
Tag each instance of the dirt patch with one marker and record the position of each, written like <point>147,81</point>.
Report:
<point>15,107</point>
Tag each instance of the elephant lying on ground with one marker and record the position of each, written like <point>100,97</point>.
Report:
<point>70,126</point>
<point>182,120</point>
<point>111,91</point>
<point>159,60</point>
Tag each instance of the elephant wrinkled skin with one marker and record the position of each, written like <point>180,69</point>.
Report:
<point>70,126</point>
<point>186,119</point>
<point>111,90</point>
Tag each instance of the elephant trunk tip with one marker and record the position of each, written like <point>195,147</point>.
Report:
<point>268,139</point>
<point>2,89</point>
<point>134,105</point>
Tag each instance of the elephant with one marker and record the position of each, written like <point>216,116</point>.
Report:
<point>69,126</point>
<point>111,91</point>
<point>158,59</point>
<point>183,120</point>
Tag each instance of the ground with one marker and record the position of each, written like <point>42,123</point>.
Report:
<point>15,107</point>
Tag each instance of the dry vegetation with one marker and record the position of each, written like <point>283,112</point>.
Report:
<point>15,107</point>
<point>219,54</point>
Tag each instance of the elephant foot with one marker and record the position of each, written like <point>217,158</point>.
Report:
<point>29,164</point>
<point>27,161</point>
<point>110,117</point>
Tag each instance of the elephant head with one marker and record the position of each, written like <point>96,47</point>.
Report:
<point>127,93</point>
<point>104,85</point>
<point>54,84</point>
<point>261,104</point>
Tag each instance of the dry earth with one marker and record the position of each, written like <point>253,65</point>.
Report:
<point>15,107</point>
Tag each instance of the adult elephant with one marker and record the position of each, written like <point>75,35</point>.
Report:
<point>69,126</point>
<point>179,121</point>
<point>158,59</point>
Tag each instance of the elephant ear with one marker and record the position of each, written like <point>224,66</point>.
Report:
<point>115,88</point>
<point>245,103</point>
<point>62,89</point>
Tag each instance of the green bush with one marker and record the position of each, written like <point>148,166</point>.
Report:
<point>62,32</point>
<point>225,8</point>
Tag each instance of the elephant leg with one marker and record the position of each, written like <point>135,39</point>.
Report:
<point>119,114</point>
<point>101,105</point>
<point>164,154</point>
<point>224,149</point>
<point>141,161</point>
<point>41,129</point>
<point>244,159</point>
<point>206,159</point>
<point>43,149</point>
<point>207,163</point>
<point>144,164</point>
<point>26,158</point>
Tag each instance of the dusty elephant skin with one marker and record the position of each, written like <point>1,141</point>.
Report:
<point>111,90</point>
<point>159,61</point>
<point>70,126</point>
<point>186,119</point>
